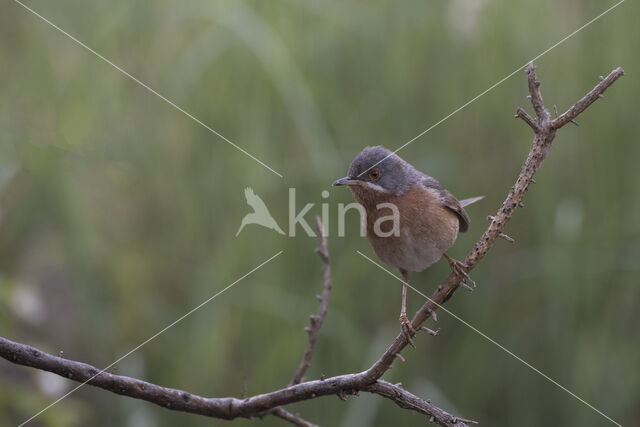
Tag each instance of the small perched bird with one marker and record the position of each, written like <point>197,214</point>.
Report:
<point>429,217</point>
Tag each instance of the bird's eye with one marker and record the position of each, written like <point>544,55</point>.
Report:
<point>374,174</point>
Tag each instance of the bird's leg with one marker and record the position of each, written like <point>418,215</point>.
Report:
<point>459,268</point>
<point>405,325</point>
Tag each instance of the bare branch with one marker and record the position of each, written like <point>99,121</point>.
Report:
<point>223,407</point>
<point>316,321</point>
<point>588,99</point>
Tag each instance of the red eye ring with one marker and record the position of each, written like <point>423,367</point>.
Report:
<point>375,174</point>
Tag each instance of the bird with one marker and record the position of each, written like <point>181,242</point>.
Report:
<point>260,214</point>
<point>429,217</point>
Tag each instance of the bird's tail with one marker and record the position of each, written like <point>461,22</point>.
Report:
<point>467,202</point>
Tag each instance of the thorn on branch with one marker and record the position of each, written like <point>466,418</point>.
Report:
<point>464,285</point>
<point>430,331</point>
<point>574,122</point>
<point>399,356</point>
<point>506,237</point>
<point>243,393</point>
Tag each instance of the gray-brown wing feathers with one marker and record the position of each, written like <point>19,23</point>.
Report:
<point>451,202</point>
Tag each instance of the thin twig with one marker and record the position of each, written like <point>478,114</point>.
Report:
<point>521,113</point>
<point>593,95</point>
<point>534,91</point>
<point>407,400</point>
<point>292,418</point>
<point>317,319</point>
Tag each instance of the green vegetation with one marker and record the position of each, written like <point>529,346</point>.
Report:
<point>119,213</point>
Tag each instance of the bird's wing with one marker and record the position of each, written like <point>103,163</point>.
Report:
<point>254,200</point>
<point>452,203</point>
<point>449,202</point>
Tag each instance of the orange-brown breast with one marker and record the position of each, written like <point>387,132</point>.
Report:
<point>427,228</point>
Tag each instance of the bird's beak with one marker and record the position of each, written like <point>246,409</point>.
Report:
<point>347,180</point>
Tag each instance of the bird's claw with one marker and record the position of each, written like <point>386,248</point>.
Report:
<point>407,329</point>
<point>459,268</point>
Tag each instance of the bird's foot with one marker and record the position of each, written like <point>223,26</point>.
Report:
<point>460,268</point>
<point>407,329</point>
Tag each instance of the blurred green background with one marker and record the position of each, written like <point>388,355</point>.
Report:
<point>119,212</point>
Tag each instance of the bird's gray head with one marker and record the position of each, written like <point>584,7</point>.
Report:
<point>380,169</point>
